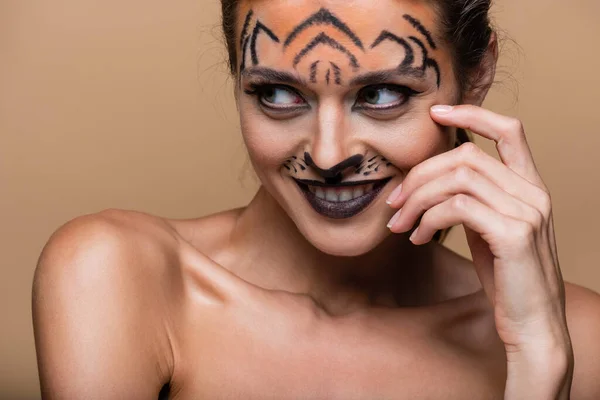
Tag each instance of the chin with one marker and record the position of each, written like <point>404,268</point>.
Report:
<point>344,242</point>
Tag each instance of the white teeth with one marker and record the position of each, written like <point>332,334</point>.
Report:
<point>339,195</point>
<point>345,195</point>
<point>331,195</point>
<point>320,193</point>
<point>358,191</point>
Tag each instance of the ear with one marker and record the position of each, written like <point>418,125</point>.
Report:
<point>483,77</point>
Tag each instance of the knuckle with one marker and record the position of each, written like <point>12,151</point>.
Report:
<point>460,202</point>
<point>514,127</point>
<point>463,175</point>
<point>545,203</point>
<point>536,218</point>
<point>468,150</point>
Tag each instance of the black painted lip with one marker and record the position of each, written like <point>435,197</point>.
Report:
<point>343,209</point>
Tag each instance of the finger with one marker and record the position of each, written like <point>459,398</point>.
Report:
<point>507,132</point>
<point>512,146</point>
<point>471,156</point>
<point>505,239</point>
<point>466,181</point>
<point>504,234</point>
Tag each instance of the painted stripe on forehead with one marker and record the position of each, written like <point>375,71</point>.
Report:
<point>257,29</point>
<point>245,28</point>
<point>244,51</point>
<point>323,17</point>
<point>313,72</point>
<point>418,26</point>
<point>409,58</point>
<point>326,40</point>
<point>433,64</point>
<point>386,35</point>
<point>336,73</point>
<point>428,62</point>
<point>423,49</point>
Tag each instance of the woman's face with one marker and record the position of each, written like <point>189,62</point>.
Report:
<point>334,100</point>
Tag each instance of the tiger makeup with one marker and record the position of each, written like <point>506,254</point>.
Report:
<point>408,44</point>
<point>334,100</point>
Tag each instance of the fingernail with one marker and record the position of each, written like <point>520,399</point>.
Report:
<point>440,109</point>
<point>414,235</point>
<point>394,219</point>
<point>394,194</point>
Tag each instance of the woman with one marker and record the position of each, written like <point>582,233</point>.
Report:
<point>331,284</point>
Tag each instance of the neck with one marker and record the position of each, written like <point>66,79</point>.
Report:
<point>275,255</point>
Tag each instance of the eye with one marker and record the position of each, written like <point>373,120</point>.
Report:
<point>277,96</point>
<point>280,95</point>
<point>383,97</point>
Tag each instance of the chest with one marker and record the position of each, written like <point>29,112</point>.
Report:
<point>304,355</point>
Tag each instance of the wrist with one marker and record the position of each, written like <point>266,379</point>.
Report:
<point>542,373</point>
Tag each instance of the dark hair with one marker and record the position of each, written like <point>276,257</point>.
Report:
<point>464,25</point>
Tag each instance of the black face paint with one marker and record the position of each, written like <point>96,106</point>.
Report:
<point>313,190</point>
<point>408,51</point>
<point>257,29</point>
<point>418,26</point>
<point>295,164</point>
<point>364,191</point>
<point>409,58</point>
<point>313,72</point>
<point>336,73</point>
<point>373,164</point>
<point>323,17</point>
<point>363,166</point>
<point>244,49</point>
<point>324,39</point>
<point>427,62</point>
<point>334,174</point>
<point>245,28</point>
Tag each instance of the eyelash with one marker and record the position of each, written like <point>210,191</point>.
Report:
<point>405,91</point>
<point>258,90</point>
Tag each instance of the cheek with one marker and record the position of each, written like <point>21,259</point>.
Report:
<point>270,143</point>
<point>405,142</point>
<point>409,142</point>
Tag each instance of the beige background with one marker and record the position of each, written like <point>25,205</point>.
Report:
<point>127,104</point>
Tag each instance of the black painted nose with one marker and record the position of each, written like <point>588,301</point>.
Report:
<point>334,174</point>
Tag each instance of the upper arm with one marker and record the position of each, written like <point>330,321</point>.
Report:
<point>97,314</point>
<point>583,319</point>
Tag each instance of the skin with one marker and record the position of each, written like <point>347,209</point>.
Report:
<point>276,301</point>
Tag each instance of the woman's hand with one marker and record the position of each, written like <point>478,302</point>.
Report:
<point>507,215</point>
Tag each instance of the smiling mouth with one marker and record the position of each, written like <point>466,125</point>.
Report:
<point>344,200</point>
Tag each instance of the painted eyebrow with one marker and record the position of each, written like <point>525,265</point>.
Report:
<point>375,77</point>
<point>274,75</point>
<point>369,78</point>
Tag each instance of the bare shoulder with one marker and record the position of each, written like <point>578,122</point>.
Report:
<point>101,306</point>
<point>116,242</point>
<point>583,319</point>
